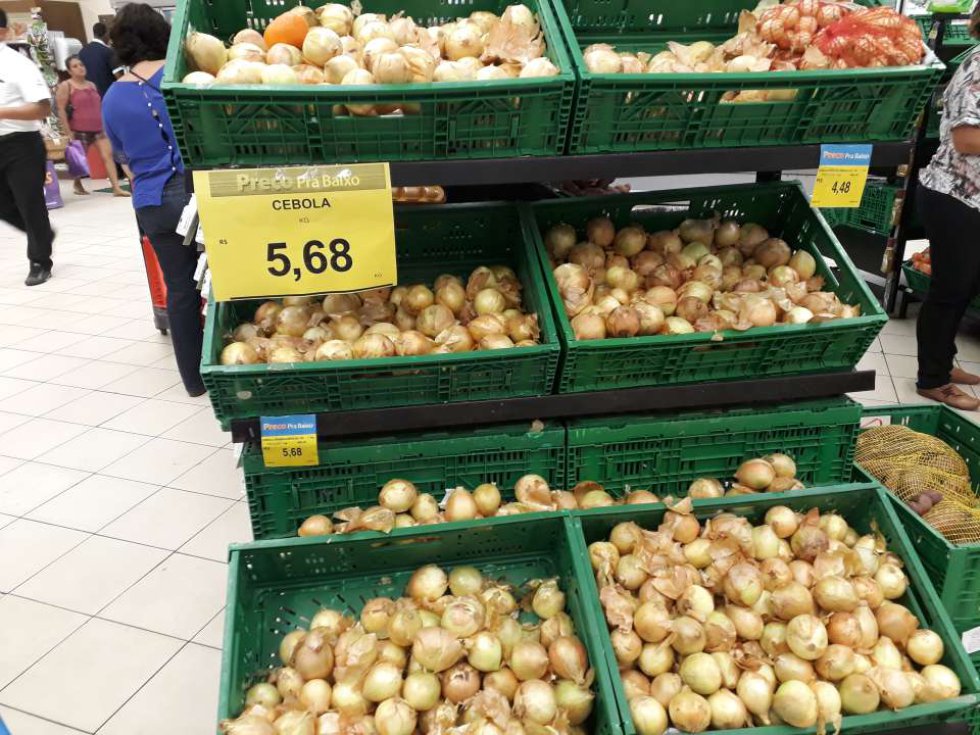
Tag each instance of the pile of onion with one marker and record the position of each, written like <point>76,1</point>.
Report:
<point>707,275</point>
<point>719,624</point>
<point>450,653</point>
<point>774,473</point>
<point>484,313</point>
<point>335,46</point>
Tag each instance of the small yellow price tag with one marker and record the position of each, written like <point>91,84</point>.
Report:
<point>297,231</point>
<point>289,441</point>
<point>842,176</point>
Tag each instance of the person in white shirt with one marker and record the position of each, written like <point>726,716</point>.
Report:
<point>25,101</point>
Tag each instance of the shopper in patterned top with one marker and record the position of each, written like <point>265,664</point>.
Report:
<point>949,204</point>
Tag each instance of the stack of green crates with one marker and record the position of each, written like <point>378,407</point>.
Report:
<point>954,569</point>
<point>783,349</point>
<point>265,125</point>
<point>431,240</point>
<point>630,112</point>
<point>277,586</point>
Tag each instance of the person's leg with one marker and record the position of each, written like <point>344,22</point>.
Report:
<point>25,176</point>
<point>105,150</point>
<point>178,263</point>
<point>79,188</point>
<point>952,229</point>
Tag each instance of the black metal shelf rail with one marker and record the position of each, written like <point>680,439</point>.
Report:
<point>433,417</point>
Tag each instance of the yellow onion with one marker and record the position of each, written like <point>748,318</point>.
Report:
<point>941,683</point>
<point>796,704</point>
<point>535,701</point>
<point>313,656</point>
<point>395,717</point>
<point>892,581</point>
<point>894,687</point>
<point>656,658</point>
<point>689,711</point>
<point>756,693</point>
<point>460,682</point>
<point>574,700</point>
<point>460,506</point>
<point>859,695</point>
<point>425,508</point>
<point>663,688</point>
<point>728,712</point>
<point>436,649</point>
<point>896,622</point>
<point>463,616</point>
<point>924,647</point>
<point>422,690</point>
<point>502,681</point>
<point>835,594</point>
<point>528,660</point>
<point>836,663</point>
<point>427,583</point>
<point>648,714</point>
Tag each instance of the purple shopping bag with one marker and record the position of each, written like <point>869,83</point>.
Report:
<point>52,197</point>
<point>76,159</point>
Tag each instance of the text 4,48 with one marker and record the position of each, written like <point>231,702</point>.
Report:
<point>315,260</point>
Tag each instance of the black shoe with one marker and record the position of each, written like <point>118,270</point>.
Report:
<point>37,275</point>
<point>195,392</point>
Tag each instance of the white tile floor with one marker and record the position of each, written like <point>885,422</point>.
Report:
<point>119,494</point>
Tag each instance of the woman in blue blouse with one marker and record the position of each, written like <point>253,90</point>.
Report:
<point>137,124</point>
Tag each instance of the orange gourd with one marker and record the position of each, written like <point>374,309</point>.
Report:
<point>288,28</point>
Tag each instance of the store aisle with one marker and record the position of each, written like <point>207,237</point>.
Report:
<point>119,495</point>
<point>118,498</point>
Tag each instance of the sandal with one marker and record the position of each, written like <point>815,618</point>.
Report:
<point>951,396</point>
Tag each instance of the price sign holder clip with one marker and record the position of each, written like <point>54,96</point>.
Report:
<point>289,441</point>
<point>842,176</point>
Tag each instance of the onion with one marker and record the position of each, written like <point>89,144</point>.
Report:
<point>555,627</point>
<point>535,701</point>
<point>844,629</point>
<point>207,53</point>
<point>756,694</point>
<point>375,617</point>
<point>434,319</point>
<point>773,639</point>
<point>589,326</point>
<point>263,694</point>
<point>656,658</point>
<point>313,656</point>
<point>924,647</point>
<point>808,542</point>
<point>895,687</point>
<point>803,572</point>
<point>395,717</point>
<point>896,622</point>
<point>705,487</point>
<point>775,572</point>
<point>663,688</point>
<point>421,690</point>
<point>403,625</point>
<point>743,584</point>
<point>941,683</point>
<point>239,353</point>
<point>464,39</point>
<point>836,663</point>
<point>648,714</point>
<point>795,704</point>
<point>700,672</point>
<point>627,646</point>
<point>383,681</point>
<point>806,636</point>
<point>548,599</point>
<point>720,633</point>
<point>695,601</point>
<point>574,701</point>
<point>463,616</point>
<point>484,652</point>
<point>892,581</point>
<point>690,711</point>
<point>783,521</point>
<point>436,649</point>
<point>528,660</point>
<point>502,681</point>
<point>757,474</point>
<point>427,583</point>
<point>460,682</point>
<point>835,594</point>
<point>425,508</point>
<point>727,711</point>
<point>748,624</point>
<point>347,698</point>
<point>287,646</point>
<point>397,495</point>
<point>460,505</point>
<point>803,263</point>
<point>859,695</point>
<point>790,601</point>
<point>295,722</point>
<point>600,58</point>
<point>623,321</point>
<point>790,667</point>
<point>689,636</point>
<point>869,627</point>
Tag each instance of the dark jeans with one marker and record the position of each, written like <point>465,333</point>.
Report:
<point>23,161</point>
<point>178,263</point>
<point>953,229</point>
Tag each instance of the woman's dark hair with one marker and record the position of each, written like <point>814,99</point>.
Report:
<point>975,22</point>
<point>139,33</point>
<point>73,57</point>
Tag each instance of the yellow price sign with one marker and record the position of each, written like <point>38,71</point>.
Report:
<point>298,230</point>
<point>289,441</point>
<point>842,176</point>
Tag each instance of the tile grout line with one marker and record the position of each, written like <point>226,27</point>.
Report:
<point>46,719</point>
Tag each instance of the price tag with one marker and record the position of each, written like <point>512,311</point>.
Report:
<point>289,441</point>
<point>297,231</point>
<point>842,175</point>
<point>971,640</point>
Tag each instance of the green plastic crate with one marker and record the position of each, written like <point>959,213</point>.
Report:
<point>955,570</point>
<point>866,508</point>
<point>276,586</point>
<point>631,112</point>
<point>876,214</point>
<point>351,473</point>
<point>783,208</point>
<point>666,453</point>
<point>918,282</point>
<point>282,124</point>
<point>957,31</point>
<point>431,240</point>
